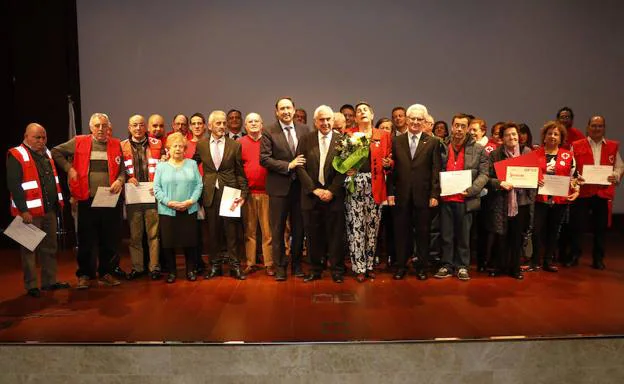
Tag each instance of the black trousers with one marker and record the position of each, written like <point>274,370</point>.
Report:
<point>385,243</point>
<point>101,227</point>
<point>169,259</point>
<point>508,246</point>
<point>579,218</point>
<point>412,223</point>
<point>279,208</point>
<point>220,228</point>
<point>547,222</point>
<point>325,230</point>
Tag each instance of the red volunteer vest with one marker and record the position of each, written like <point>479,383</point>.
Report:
<point>562,168</point>
<point>31,183</point>
<point>584,155</point>
<point>490,146</point>
<point>153,156</point>
<point>82,156</point>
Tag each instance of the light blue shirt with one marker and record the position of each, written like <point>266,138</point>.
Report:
<point>177,184</point>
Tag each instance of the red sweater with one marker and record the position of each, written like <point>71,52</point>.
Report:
<point>256,174</point>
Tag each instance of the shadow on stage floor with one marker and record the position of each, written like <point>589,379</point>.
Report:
<point>574,302</point>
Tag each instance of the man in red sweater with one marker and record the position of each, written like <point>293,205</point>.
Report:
<point>256,209</point>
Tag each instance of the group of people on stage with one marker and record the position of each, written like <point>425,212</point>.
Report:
<point>339,187</point>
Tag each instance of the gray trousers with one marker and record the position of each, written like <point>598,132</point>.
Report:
<point>46,252</point>
<point>143,219</point>
<point>455,225</point>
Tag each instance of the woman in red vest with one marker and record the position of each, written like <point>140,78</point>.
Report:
<point>550,210</point>
<point>363,206</point>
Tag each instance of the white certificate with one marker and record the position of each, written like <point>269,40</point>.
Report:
<point>453,182</point>
<point>522,177</point>
<point>597,174</point>
<point>227,200</point>
<point>555,186</point>
<point>104,198</point>
<point>26,234</point>
<point>139,194</point>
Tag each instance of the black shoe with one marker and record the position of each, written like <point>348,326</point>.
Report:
<point>493,273</point>
<point>214,272</point>
<point>191,276</point>
<point>297,271</point>
<point>481,269</point>
<point>55,286</point>
<point>572,262</point>
<point>599,265</point>
<point>312,277</point>
<point>421,275</point>
<point>237,273</point>
<point>117,271</point>
<point>550,268</point>
<point>518,276</point>
<point>337,277</point>
<point>155,275</point>
<point>280,274</point>
<point>134,274</point>
<point>400,274</point>
<point>171,278</point>
<point>34,292</point>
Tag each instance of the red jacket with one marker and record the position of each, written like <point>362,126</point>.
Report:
<point>31,183</point>
<point>563,167</point>
<point>584,155</point>
<point>80,188</point>
<point>380,148</point>
<point>153,156</point>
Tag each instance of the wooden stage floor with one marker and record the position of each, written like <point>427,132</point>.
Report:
<point>575,302</point>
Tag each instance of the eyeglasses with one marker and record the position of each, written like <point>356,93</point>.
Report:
<point>418,120</point>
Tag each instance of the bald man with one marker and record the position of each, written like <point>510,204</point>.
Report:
<point>156,126</point>
<point>36,197</point>
<point>256,211</point>
<point>141,155</point>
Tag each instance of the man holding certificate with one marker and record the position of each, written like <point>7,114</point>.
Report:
<point>96,173</point>
<point>463,153</point>
<point>36,197</point>
<point>141,155</point>
<point>221,160</point>
<point>509,215</point>
<point>599,162</point>
<point>414,187</point>
<point>557,189</point>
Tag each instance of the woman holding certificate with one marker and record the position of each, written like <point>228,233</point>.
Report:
<point>509,207</point>
<point>557,188</point>
<point>177,187</point>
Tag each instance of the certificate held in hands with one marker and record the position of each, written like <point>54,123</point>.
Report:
<point>597,174</point>
<point>104,198</point>
<point>555,186</point>
<point>27,235</point>
<point>454,182</point>
<point>227,201</point>
<point>522,177</point>
<point>139,194</point>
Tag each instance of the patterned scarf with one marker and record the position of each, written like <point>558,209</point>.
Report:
<point>512,196</point>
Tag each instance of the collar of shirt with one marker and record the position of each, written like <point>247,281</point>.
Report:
<point>218,141</point>
<point>284,125</point>
<point>329,136</point>
<point>591,141</point>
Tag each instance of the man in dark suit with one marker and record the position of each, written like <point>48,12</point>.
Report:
<point>414,187</point>
<point>223,167</point>
<point>322,196</point>
<point>277,154</point>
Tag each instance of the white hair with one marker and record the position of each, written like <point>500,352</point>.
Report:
<point>249,115</point>
<point>98,116</point>
<point>323,108</point>
<point>416,107</point>
<point>429,118</point>
<point>213,115</point>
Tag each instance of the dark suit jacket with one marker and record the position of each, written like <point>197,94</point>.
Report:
<point>230,171</point>
<point>418,177</point>
<point>275,156</point>
<point>308,174</point>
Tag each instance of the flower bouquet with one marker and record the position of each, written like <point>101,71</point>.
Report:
<point>352,152</point>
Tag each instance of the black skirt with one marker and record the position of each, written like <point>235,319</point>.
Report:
<point>178,231</point>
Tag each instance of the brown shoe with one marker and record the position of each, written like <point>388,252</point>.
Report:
<point>249,270</point>
<point>109,280</point>
<point>269,271</point>
<point>83,282</point>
